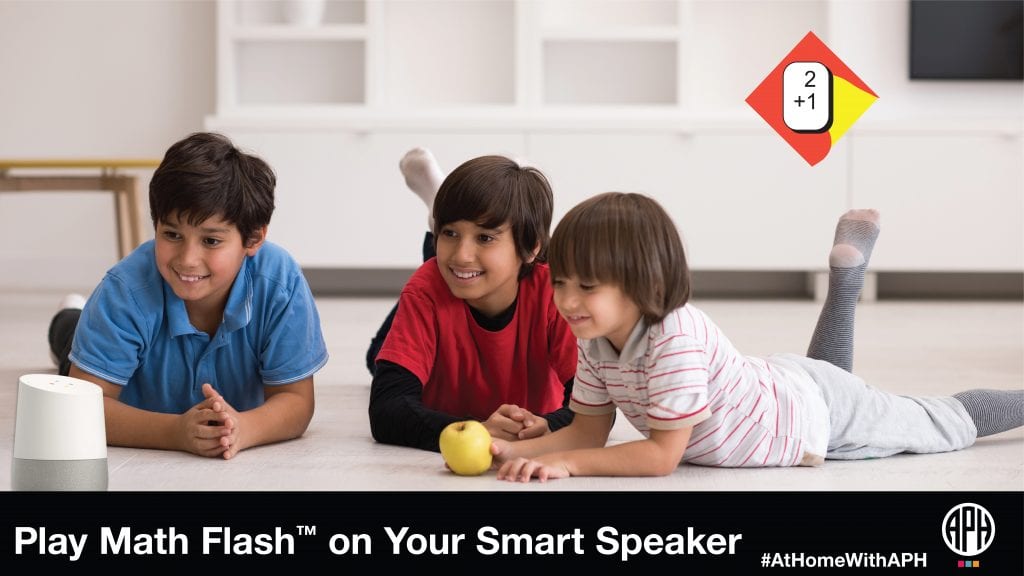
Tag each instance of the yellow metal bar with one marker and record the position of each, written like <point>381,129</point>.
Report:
<point>101,163</point>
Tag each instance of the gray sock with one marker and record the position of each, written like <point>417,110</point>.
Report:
<point>993,411</point>
<point>855,237</point>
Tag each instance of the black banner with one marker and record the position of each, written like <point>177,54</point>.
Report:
<point>932,532</point>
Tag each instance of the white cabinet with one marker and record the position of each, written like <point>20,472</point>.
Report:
<point>631,95</point>
<point>738,219</point>
<point>748,202</point>
<point>949,201</point>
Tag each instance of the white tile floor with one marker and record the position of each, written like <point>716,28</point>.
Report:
<point>933,348</point>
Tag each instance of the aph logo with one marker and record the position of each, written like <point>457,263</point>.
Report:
<point>968,529</point>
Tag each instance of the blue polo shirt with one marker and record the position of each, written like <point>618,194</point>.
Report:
<point>135,332</point>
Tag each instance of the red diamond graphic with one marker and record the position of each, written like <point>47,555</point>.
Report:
<point>811,99</point>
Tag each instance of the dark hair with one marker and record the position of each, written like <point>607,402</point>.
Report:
<point>492,190</point>
<point>205,175</point>
<point>627,240</point>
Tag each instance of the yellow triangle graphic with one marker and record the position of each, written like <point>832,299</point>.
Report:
<point>848,103</point>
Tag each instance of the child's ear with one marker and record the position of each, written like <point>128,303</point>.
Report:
<point>253,244</point>
<point>533,255</point>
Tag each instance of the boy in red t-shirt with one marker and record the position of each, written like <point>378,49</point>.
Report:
<point>475,334</point>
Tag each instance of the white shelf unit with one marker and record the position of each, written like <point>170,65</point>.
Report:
<point>275,13</point>
<point>353,32</point>
<point>504,55</point>
<point>444,54</point>
<point>606,52</point>
<point>266,63</point>
<point>403,56</point>
<point>506,58</point>
<point>295,83</point>
<point>633,95</point>
<point>583,72</point>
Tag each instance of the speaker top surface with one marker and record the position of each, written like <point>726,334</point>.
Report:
<point>60,385</point>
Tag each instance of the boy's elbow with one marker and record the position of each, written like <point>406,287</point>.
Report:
<point>667,463</point>
<point>666,468</point>
<point>378,428</point>
<point>304,424</point>
<point>376,432</point>
<point>385,429</point>
<point>659,467</point>
<point>300,426</point>
<point>666,450</point>
<point>384,432</point>
<point>305,416</point>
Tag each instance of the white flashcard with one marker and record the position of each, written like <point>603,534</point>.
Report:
<point>807,97</point>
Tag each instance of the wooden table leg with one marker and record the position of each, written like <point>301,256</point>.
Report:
<point>109,184</point>
<point>134,217</point>
<point>126,212</point>
<point>114,184</point>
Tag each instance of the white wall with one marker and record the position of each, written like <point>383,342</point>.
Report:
<point>91,78</point>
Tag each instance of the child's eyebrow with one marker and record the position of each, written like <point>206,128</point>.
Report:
<point>203,230</point>
<point>215,230</point>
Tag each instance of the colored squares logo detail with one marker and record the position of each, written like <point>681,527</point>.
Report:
<point>811,99</point>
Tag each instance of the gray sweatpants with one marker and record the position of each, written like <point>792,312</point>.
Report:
<point>865,422</point>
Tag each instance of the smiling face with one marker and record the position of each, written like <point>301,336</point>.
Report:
<point>200,262</point>
<point>480,265</point>
<point>595,310</point>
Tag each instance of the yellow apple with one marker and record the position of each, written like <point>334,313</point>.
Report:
<point>466,448</point>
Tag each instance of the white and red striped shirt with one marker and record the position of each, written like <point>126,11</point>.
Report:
<point>684,372</point>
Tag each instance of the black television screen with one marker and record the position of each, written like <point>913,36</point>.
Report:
<point>967,40</point>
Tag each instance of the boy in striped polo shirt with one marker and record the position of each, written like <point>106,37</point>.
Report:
<point>621,282</point>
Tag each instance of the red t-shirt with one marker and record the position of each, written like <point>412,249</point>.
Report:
<point>469,371</point>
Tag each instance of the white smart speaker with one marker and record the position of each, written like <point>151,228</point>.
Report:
<point>60,440</point>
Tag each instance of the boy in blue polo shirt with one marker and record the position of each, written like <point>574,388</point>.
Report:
<point>206,338</point>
